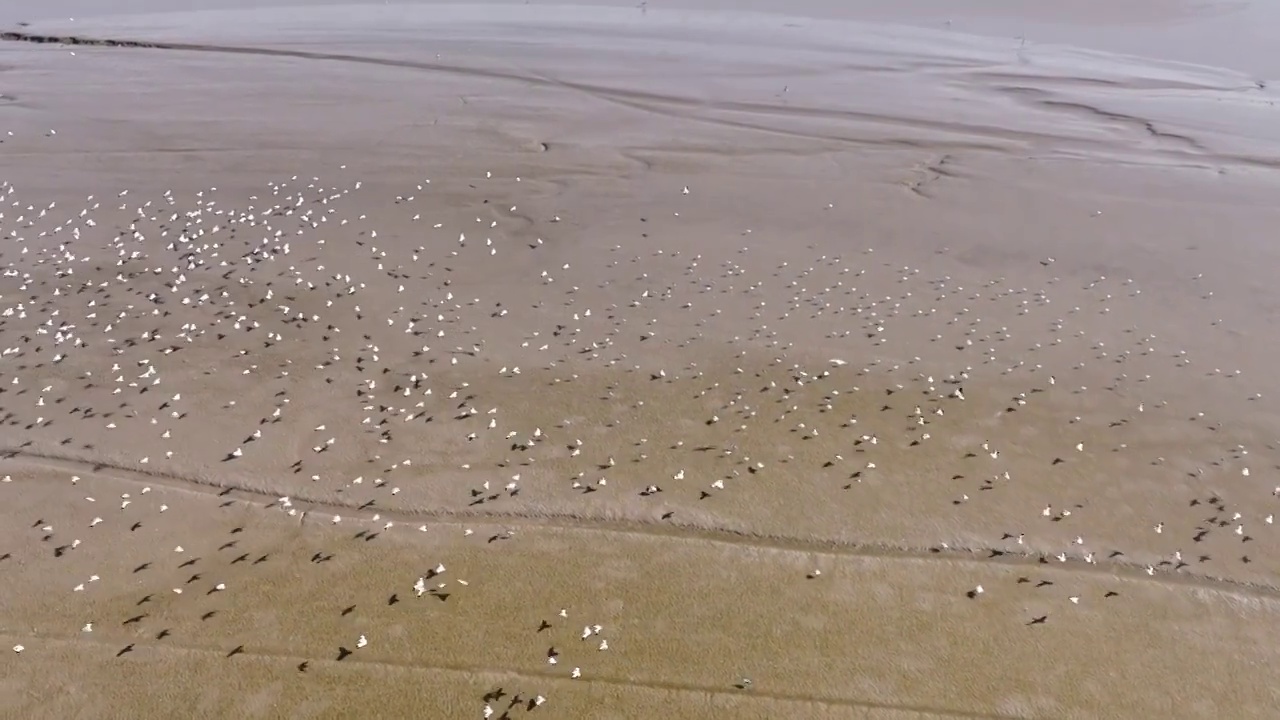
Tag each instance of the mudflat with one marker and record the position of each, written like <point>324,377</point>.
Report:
<point>616,361</point>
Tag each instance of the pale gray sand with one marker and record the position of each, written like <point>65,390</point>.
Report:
<point>1220,33</point>
<point>902,372</point>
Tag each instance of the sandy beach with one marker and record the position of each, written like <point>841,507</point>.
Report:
<point>616,360</point>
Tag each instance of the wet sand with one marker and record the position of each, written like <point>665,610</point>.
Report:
<point>609,362</point>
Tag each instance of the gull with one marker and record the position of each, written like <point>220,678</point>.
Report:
<point>88,627</point>
<point>362,641</point>
<point>420,586</point>
<point>19,648</point>
<point>577,672</point>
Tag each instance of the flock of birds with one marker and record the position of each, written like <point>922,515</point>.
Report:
<point>330,355</point>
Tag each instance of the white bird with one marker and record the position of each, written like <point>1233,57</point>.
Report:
<point>362,641</point>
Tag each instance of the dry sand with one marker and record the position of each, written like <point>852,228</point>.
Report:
<point>627,362</point>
